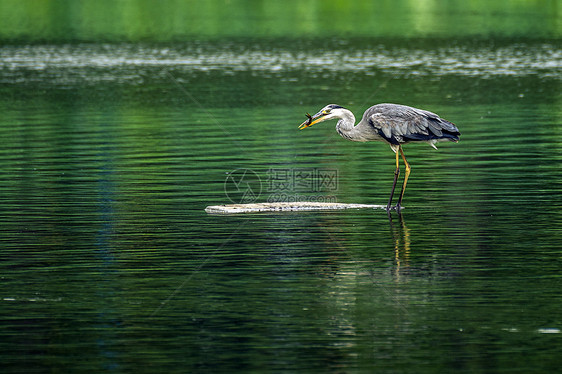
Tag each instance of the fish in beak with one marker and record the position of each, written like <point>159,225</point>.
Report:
<point>312,120</point>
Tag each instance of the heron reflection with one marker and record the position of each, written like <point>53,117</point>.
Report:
<point>401,237</point>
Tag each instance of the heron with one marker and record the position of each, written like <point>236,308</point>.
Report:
<point>394,124</point>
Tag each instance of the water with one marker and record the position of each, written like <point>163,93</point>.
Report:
<point>111,152</point>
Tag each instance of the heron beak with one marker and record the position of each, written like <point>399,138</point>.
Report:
<point>318,117</point>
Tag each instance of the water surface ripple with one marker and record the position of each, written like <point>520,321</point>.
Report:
<point>63,63</point>
<point>109,260</point>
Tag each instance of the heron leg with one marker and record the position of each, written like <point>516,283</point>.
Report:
<point>396,174</point>
<point>408,169</point>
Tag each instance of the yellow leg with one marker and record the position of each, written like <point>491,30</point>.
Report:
<point>396,173</point>
<point>408,169</point>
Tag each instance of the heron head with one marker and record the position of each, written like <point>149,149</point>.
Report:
<point>328,112</point>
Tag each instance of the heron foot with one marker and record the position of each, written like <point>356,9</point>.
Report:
<point>397,208</point>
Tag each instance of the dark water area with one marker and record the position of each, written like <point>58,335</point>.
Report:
<point>112,150</point>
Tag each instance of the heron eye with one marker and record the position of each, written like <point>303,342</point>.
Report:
<point>327,111</point>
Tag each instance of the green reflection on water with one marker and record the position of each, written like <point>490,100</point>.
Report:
<point>139,20</point>
<point>108,252</point>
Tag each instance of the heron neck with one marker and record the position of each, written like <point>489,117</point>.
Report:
<point>346,125</point>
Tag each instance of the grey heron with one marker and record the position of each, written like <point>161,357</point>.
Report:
<point>392,123</point>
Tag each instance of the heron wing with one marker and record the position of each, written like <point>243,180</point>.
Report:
<point>399,124</point>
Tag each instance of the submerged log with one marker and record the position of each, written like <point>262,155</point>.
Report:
<point>278,207</point>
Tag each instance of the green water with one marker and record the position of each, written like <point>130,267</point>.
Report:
<point>119,126</point>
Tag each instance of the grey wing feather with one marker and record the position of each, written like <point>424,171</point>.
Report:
<point>400,124</point>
